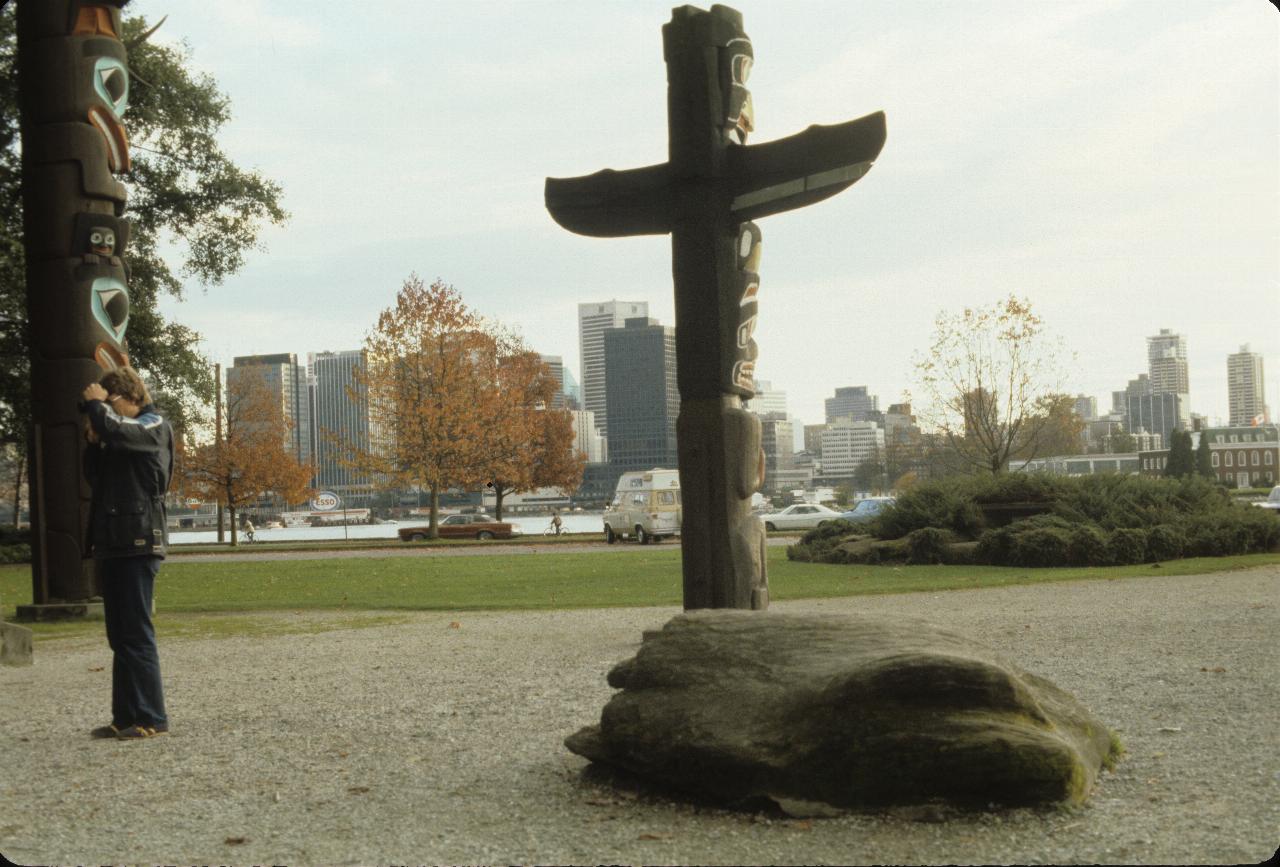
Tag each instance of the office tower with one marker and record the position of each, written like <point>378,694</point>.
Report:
<point>556,365</point>
<point>1149,411</point>
<point>813,438</point>
<point>572,391</point>
<point>768,399</point>
<point>846,444</point>
<point>341,422</point>
<point>777,439</point>
<point>1086,407</point>
<point>643,399</point>
<point>1246,391</point>
<point>853,403</point>
<point>286,383</point>
<point>593,320</point>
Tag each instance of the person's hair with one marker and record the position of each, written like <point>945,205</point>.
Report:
<point>125,382</point>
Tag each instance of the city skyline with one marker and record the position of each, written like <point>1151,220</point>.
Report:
<point>1116,167</point>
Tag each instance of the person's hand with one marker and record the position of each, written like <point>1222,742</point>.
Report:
<point>94,391</point>
<point>91,435</point>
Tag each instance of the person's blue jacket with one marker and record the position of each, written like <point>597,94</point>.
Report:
<point>129,469</point>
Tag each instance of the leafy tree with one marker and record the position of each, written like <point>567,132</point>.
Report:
<point>183,191</point>
<point>252,460</point>
<point>528,445</point>
<point>989,380</point>
<point>1182,462</point>
<point>869,475</point>
<point>1121,442</point>
<point>1204,463</point>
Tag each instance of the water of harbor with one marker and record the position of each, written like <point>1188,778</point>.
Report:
<point>531,525</point>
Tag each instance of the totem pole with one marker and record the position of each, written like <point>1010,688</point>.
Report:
<point>705,196</point>
<point>73,89</point>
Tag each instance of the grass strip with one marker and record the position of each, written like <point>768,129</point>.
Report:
<point>552,581</point>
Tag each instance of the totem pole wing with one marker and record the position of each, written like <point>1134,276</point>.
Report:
<point>611,204</point>
<point>807,167</point>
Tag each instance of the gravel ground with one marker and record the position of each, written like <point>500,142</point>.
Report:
<point>438,740</point>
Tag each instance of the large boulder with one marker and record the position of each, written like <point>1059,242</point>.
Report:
<point>843,711</point>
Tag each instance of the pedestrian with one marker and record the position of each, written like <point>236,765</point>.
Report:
<point>248,530</point>
<point>556,522</point>
<point>128,463</point>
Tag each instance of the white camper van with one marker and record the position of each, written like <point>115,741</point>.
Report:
<point>646,507</point>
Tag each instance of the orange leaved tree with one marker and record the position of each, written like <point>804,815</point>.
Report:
<point>251,460</point>
<point>429,380</point>
<point>528,445</point>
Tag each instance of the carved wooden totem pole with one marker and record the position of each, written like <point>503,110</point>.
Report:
<point>705,196</point>
<point>74,87</point>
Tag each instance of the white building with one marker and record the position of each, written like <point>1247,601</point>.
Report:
<point>586,437</point>
<point>846,444</point>
<point>593,320</point>
<point>339,421</point>
<point>767,399</point>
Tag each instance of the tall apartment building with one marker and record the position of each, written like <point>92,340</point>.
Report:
<point>853,403</point>
<point>643,398</point>
<point>1086,406</point>
<point>593,320</point>
<point>286,382</point>
<point>846,444</point>
<point>340,421</point>
<point>1167,363</point>
<point>1246,389</point>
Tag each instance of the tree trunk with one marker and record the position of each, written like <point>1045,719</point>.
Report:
<point>499,491</point>
<point>433,529</point>
<point>231,512</point>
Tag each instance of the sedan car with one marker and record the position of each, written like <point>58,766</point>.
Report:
<point>463,527</point>
<point>867,509</point>
<point>801,516</point>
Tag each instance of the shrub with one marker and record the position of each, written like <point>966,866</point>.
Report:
<point>946,505</point>
<point>15,553</point>
<point>993,546</point>
<point>928,545</point>
<point>1039,546</point>
<point>1164,542</point>
<point>1127,545</point>
<point>1087,546</point>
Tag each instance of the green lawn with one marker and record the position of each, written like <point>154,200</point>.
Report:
<point>545,580</point>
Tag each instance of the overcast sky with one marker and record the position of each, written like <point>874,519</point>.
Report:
<point>1115,162</point>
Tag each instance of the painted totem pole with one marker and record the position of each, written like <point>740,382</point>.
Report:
<point>705,196</point>
<point>74,88</point>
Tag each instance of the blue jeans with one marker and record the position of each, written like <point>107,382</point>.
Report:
<point>137,697</point>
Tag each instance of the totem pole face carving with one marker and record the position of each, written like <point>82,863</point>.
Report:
<point>102,241</point>
<point>110,303</point>
<point>746,351</point>
<point>735,61</point>
<point>111,85</point>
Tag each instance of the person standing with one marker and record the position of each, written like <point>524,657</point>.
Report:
<point>128,463</point>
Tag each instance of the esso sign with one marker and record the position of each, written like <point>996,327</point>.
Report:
<point>325,501</point>
<point>194,502</point>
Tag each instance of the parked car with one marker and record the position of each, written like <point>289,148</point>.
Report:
<point>867,509</point>
<point>801,516</point>
<point>476,526</point>
<point>1272,501</point>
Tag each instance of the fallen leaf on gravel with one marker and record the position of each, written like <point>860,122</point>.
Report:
<point>358,790</point>
<point>802,824</point>
<point>1216,670</point>
<point>654,837</point>
<point>98,668</point>
<point>235,841</point>
<point>599,802</point>
<point>1170,729</point>
<point>455,625</point>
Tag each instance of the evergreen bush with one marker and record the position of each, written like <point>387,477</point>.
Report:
<point>1164,542</point>
<point>928,545</point>
<point>1127,545</point>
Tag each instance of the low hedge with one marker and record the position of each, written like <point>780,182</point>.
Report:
<point>1089,521</point>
